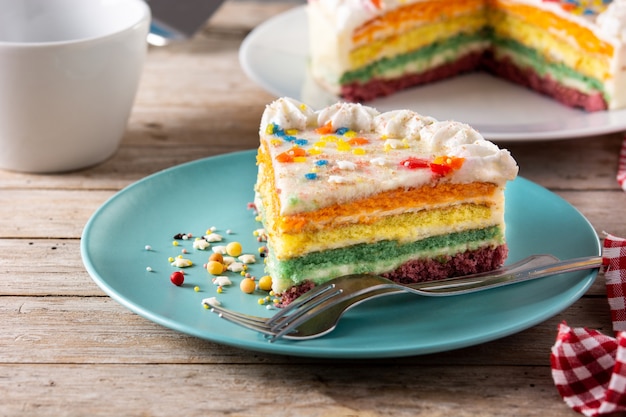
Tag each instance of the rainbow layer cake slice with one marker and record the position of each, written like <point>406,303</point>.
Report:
<point>347,189</point>
<point>571,50</point>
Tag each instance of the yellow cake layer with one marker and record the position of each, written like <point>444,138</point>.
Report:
<point>404,228</point>
<point>551,45</point>
<point>404,18</point>
<point>416,38</point>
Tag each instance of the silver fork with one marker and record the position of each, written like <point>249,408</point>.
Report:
<point>317,312</point>
<point>330,315</point>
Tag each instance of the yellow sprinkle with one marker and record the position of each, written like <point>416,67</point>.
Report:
<point>330,138</point>
<point>206,306</point>
<point>261,301</point>
<point>257,218</point>
<point>175,243</point>
<point>220,289</point>
<point>303,106</point>
<point>180,256</point>
<point>315,151</point>
<point>291,132</point>
<point>314,169</point>
<point>343,146</point>
<point>350,134</point>
<point>320,144</point>
<point>196,288</point>
<point>272,293</point>
<point>299,159</point>
<point>265,283</point>
<point>170,259</point>
<point>358,151</point>
<point>269,129</point>
<point>276,301</point>
<point>275,142</point>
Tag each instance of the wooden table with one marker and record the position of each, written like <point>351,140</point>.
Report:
<point>68,349</point>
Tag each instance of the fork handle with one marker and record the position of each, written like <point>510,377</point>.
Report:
<point>472,284</point>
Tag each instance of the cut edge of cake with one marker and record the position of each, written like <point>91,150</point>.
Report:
<point>572,51</point>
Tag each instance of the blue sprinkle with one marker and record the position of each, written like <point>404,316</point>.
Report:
<point>301,142</point>
<point>321,162</point>
<point>342,130</point>
<point>310,176</point>
<point>278,131</point>
<point>289,138</point>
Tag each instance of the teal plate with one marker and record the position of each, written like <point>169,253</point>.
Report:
<point>215,192</point>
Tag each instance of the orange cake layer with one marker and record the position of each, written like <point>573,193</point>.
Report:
<point>407,16</point>
<point>569,31</point>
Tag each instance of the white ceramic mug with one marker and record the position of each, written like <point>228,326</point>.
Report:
<point>69,73</point>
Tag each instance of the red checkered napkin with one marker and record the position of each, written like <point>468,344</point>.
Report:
<point>588,367</point>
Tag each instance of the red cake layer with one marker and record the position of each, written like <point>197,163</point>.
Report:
<point>470,262</point>
<point>506,69</point>
<point>358,92</point>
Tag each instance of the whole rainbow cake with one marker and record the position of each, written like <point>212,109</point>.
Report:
<point>571,50</point>
<point>347,189</point>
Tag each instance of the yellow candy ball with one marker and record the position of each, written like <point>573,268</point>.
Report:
<point>265,283</point>
<point>233,249</point>
<point>247,285</point>
<point>214,267</point>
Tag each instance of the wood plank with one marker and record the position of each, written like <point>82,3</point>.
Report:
<point>327,389</point>
<point>575,164</point>
<point>58,214</point>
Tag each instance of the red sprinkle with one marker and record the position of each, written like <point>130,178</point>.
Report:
<point>414,163</point>
<point>177,278</point>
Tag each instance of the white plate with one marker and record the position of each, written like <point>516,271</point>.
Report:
<point>275,56</point>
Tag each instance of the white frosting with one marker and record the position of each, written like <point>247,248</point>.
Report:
<point>401,124</point>
<point>612,22</point>
<point>371,158</point>
<point>350,115</point>
<point>289,114</point>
